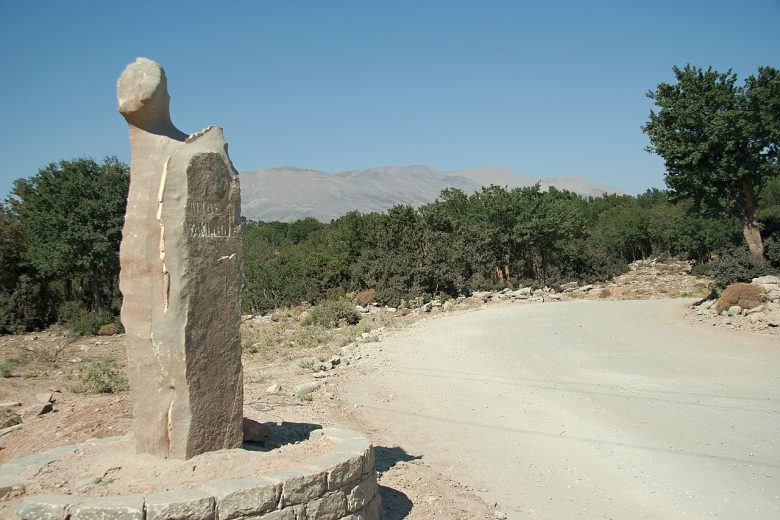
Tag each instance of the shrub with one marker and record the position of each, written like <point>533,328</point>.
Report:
<point>109,329</point>
<point>329,314</point>
<point>311,336</point>
<point>772,250</point>
<point>365,297</point>
<point>737,266</point>
<point>7,367</point>
<point>101,376</point>
<point>605,293</point>
<point>81,321</point>
<point>746,295</point>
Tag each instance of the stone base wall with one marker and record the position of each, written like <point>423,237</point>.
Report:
<point>338,485</point>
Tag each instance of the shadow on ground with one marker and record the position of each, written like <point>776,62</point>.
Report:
<point>281,434</point>
<point>386,458</point>
<point>395,504</point>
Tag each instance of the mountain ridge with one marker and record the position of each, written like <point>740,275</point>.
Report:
<point>289,193</point>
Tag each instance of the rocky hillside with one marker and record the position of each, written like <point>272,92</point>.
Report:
<point>288,193</point>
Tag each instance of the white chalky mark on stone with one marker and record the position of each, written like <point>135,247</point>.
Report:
<point>166,275</point>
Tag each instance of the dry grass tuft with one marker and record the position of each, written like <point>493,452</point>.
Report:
<point>746,295</point>
<point>365,297</point>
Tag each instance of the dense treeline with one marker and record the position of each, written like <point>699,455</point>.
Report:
<point>60,232</point>
<point>494,238</point>
<point>59,245</point>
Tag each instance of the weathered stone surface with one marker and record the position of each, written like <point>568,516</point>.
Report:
<point>735,310</point>
<point>371,512</point>
<point>374,509</point>
<point>181,277</point>
<point>36,459</point>
<point>9,418</point>
<point>245,497</point>
<point>305,388</point>
<point>281,514</point>
<point>9,472</point>
<point>360,495</point>
<point>342,471</point>
<point>185,504</point>
<point>36,409</point>
<point>44,507</point>
<point>126,507</point>
<point>255,431</point>
<point>47,397</point>
<point>330,507</point>
<point>301,484</point>
<point>341,434</point>
<point>10,485</point>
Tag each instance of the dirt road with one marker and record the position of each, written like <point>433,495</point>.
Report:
<point>598,409</point>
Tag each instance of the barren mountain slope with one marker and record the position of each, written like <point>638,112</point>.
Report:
<point>290,193</point>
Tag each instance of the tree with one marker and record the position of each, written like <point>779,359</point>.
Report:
<point>719,141</point>
<point>70,215</point>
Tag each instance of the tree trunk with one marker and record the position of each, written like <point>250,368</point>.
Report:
<point>96,300</point>
<point>507,278</point>
<point>752,235</point>
<point>750,228</point>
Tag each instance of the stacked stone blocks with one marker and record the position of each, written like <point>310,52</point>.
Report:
<point>338,485</point>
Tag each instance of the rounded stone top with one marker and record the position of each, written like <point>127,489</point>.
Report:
<point>142,95</point>
<point>139,85</point>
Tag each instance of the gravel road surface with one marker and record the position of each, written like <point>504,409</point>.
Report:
<point>586,409</point>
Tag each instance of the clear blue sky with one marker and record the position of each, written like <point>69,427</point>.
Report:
<point>542,88</point>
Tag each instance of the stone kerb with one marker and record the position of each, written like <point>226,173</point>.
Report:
<point>340,484</point>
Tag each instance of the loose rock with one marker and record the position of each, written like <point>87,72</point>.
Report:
<point>306,388</point>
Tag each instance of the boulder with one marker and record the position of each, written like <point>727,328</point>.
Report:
<point>773,319</point>
<point>9,418</point>
<point>44,398</point>
<point>764,280</point>
<point>35,410</point>
<point>568,287</point>
<point>305,388</point>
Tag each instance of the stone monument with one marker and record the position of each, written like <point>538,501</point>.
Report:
<point>180,277</point>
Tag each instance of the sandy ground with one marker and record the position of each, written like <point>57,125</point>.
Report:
<point>588,409</point>
<point>410,487</point>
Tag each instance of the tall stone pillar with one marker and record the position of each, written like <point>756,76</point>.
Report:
<point>180,278</point>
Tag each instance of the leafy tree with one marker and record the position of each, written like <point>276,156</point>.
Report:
<point>70,215</point>
<point>719,141</point>
<point>547,222</point>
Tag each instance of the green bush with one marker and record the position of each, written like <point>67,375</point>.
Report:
<point>23,307</point>
<point>736,266</point>
<point>101,376</point>
<point>6,312</point>
<point>7,367</point>
<point>81,321</point>
<point>330,314</point>
<point>772,250</point>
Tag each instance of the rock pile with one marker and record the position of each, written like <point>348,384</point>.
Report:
<point>12,418</point>
<point>762,316</point>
